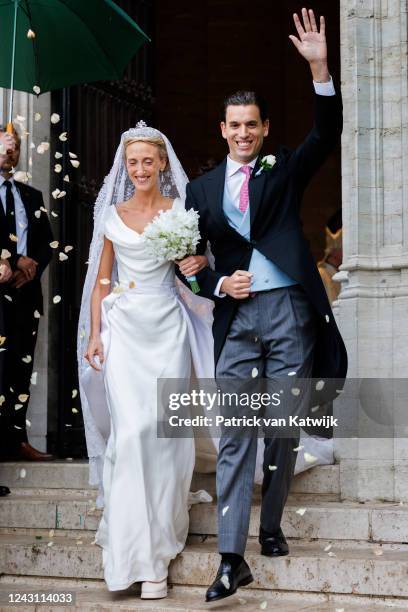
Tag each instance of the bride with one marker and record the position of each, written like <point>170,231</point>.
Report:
<point>139,332</point>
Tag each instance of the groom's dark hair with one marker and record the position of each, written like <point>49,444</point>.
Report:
<point>244,98</point>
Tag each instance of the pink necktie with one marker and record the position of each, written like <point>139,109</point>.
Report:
<point>244,193</point>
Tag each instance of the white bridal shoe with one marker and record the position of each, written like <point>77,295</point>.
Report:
<point>154,590</point>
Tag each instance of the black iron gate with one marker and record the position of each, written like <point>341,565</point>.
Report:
<point>94,116</point>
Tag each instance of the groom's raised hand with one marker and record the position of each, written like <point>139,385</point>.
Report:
<point>311,44</point>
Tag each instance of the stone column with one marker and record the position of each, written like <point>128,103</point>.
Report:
<point>38,166</point>
<point>372,310</point>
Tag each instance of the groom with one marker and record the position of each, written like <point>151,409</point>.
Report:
<point>271,310</point>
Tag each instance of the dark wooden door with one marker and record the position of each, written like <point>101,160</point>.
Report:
<point>94,115</point>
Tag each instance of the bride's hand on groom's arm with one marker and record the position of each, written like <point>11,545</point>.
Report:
<point>190,266</point>
<point>238,285</point>
<point>95,349</point>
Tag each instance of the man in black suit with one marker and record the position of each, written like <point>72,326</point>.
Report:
<point>25,240</point>
<point>5,276</point>
<point>271,311</point>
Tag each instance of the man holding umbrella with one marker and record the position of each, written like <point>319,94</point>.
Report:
<point>25,236</point>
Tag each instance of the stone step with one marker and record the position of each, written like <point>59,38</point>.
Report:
<point>304,517</point>
<point>351,568</point>
<point>323,479</point>
<point>92,596</point>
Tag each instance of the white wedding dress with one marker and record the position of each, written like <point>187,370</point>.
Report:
<point>146,479</point>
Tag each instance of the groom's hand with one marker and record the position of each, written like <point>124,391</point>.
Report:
<point>238,285</point>
<point>311,44</point>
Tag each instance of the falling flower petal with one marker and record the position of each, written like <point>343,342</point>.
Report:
<point>23,397</point>
<point>291,373</point>
<point>272,468</point>
<point>10,299</point>
<point>37,90</point>
<point>74,393</point>
<point>58,155</point>
<point>54,244</point>
<point>225,510</point>
<point>328,547</point>
<point>66,178</point>
<point>295,391</point>
<point>63,136</point>
<point>301,511</point>
<point>2,400</point>
<point>54,214</point>
<point>50,544</point>
<point>327,318</point>
<point>62,257</point>
<point>56,299</point>
<point>37,117</point>
<point>33,378</point>
<point>68,248</point>
<point>254,372</point>
<point>27,359</point>
<point>75,163</point>
<point>37,315</point>
<point>319,385</point>
<point>331,554</point>
<point>55,118</point>
<point>55,193</point>
<point>61,194</point>
<point>314,408</point>
<point>72,155</point>
<point>30,33</point>
<point>75,410</point>
<point>57,168</point>
<point>23,473</point>
<point>225,581</point>
<point>18,406</point>
<point>309,458</point>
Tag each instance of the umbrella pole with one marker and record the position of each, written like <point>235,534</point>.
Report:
<point>10,128</point>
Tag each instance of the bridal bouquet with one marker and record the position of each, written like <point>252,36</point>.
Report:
<point>173,235</point>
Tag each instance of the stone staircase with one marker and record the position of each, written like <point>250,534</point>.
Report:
<point>344,555</point>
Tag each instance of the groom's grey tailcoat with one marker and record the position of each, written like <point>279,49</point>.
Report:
<point>275,196</point>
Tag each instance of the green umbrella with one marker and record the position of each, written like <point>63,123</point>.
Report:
<point>49,44</point>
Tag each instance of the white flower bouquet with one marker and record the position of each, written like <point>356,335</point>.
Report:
<point>173,235</point>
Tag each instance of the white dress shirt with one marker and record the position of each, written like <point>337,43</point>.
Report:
<point>20,212</point>
<point>234,179</point>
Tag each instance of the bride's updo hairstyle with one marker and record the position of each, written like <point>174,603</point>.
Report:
<point>153,140</point>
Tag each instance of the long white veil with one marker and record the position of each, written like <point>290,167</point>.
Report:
<point>117,187</point>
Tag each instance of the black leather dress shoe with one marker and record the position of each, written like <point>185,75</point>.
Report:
<point>4,491</point>
<point>273,545</point>
<point>228,580</point>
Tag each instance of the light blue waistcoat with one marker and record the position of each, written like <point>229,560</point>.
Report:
<point>266,274</point>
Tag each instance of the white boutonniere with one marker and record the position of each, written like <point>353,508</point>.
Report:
<point>266,163</point>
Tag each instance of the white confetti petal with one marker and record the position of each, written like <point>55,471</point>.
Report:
<point>328,547</point>
<point>58,155</point>
<point>327,318</point>
<point>272,468</point>
<point>63,136</point>
<point>18,406</point>
<point>66,178</point>
<point>36,90</point>
<point>72,155</point>
<point>27,359</point>
<point>5,254</point>
<point>75,163</point>
<point>225,581</point>
<point>68,248</point>
<point>319,385</point>
<point>54,244</point>
<point>28,423</point>
<point>37,315</point>
<point>61,194</point>
<point>295,391</point>
<point>331,554</point>
<point>301,511</point>
<point>55,118</point>
<point>23,397</point>
<point>54,214</point>
<point>50,544</point>
<point>225,510</point>
<point>291,373</point>
<point>55,193</point>
<point>30,33</point>
<point>254,372</point>
<point>57,168</point>
<point>62,257</point>
<point>56,299</point>
<point>2,400</point>
<point>74,393</point>
<point>37,117</point>
<point>309,458</point>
